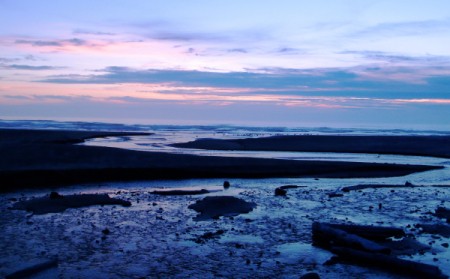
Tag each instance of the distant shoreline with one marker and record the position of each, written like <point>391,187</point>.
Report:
<point>48,158</point>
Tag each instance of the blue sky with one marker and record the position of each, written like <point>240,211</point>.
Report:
<point>289,63</point>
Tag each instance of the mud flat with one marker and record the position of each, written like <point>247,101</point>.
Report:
<point>268,236</point>
<point>46,158</point>
<point>433,146</point>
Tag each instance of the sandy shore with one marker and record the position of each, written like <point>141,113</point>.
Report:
<point>44,158</point>
<point>434,146</point>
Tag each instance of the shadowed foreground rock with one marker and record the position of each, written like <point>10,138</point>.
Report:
<point>58,203</point>
<point>214,207</point>
<point>349,242</point>
<point>33,270</point>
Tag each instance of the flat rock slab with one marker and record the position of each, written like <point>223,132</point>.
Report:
<point>214,207</point>
<point>59,203</point>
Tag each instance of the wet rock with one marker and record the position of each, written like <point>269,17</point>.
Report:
<point>344,241</point>
<point>226,184</point>
<point>335,195</point>
<point>280,192</point>
<point>33,270</point>
<point>326,236</point>
<point>214,207</point>
<point>55,195</point>
<point>60,203</point>
<point>442,212</point>
<point>286,187</point>
<point>311,275</point>
<point>209,235</point>
<point>370,232</point>
<point>439,229</point>
<point>388,263</point>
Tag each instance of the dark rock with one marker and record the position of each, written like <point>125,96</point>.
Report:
<point>335,195</point>
<point>33,270</point>
<point>445,245</point>
<point>407,183</point>
<point>209,235</point>
<point>388,263</point>
<point>370,232</point>
<point>51,205</point>
<point>280,192</point>
<point>443,212</point>
<point>55,195</point>
<point>226,184</point>
<point>326,236</point>
<point>106,231</point>
<point>214,207</point>
<point>311,275</point>
<point>439,229</point>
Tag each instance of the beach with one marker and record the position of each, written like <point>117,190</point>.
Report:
<point>122,213</point>
<point>36,158</point>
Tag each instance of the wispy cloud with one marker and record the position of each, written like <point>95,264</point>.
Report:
<point>29,67</point>
<point>92,32</point>
<point>8,60</point>
<point>395,58</point>
<point>42,43</point>
<point>410,28</point>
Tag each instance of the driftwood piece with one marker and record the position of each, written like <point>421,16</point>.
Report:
<point>285,187</point>
<point>370,232</point>
<point>58,203</point>
<point>180,192</point>
<point>32,270</point>
<point>375,186</point>
<point>327,236</point>
<point>390,263</point>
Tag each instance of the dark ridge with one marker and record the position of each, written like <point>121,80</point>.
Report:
<point>434,146</point>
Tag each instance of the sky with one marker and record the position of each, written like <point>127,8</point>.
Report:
<point>340,63</point>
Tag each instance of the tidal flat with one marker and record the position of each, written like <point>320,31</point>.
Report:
<point>162,236</point>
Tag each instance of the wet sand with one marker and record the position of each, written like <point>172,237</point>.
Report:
<point>160,235</point>
<point>45,158</point>
<point>433,146</point>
